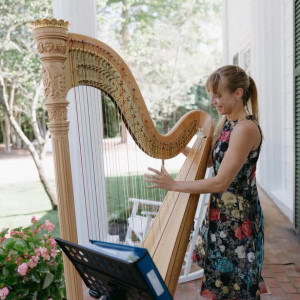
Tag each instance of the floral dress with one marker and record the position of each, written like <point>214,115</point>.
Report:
<point>230,242</point>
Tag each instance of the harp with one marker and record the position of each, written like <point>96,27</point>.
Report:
<point>70,60</point>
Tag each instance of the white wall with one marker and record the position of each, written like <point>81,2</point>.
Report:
<point>238,30</point>
<point>266,27</point>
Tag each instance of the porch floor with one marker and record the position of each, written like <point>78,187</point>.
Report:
<point>281,268</point>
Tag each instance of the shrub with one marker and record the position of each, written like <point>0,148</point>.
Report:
<point>31,264</point>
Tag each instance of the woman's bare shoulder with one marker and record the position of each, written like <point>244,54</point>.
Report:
<point>250,130</point>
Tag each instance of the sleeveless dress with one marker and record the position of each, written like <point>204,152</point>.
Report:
<point>230,243</point>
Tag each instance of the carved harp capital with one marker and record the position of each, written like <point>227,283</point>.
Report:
<point>49,23</point>
<point>51,38</point>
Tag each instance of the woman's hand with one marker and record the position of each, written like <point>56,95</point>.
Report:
<point>161,179</point>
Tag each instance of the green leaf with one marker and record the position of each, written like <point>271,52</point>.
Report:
<point>34,295</point>
<point>18,228</point>
<point>20,245</point>
<point>27,228</point>
<point>48,279</point>
<point>59,272</point>
<point>42,268</point>
<point>5,271</point>
<point>2,257</point>
<point>3,233</point>
<point>11,280</point>
<point>31,245</point>
<point>60,284</point>
<point>35,277</point>
<point>11,266</point>
<point>24,292</point>
<point>57,292</point>
<point>9,245</point>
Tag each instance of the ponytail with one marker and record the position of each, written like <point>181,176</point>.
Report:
<point>252,94</point>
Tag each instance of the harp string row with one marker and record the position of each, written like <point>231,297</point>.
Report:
<point>130,186</point>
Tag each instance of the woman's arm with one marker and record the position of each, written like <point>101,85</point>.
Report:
<point>242,140</point>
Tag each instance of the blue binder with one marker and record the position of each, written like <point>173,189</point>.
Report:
<point>116,271</point>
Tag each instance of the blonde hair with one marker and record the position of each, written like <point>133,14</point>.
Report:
<point>231,78</point>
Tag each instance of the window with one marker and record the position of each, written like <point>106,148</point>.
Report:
<point>235,59</point>
<point>246,61</point>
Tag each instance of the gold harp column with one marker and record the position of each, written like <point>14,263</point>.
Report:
<point>51,38</point>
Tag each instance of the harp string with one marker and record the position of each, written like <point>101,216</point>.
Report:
<point>78,131</point>
<point>92,183</point>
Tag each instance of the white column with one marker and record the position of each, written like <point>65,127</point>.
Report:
<point>81,14</point>
<point>225,32</point>
<point>86,149</point>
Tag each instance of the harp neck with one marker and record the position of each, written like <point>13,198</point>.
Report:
<point>87,61</point>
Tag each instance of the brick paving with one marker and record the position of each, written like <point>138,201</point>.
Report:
<point>281,269</point>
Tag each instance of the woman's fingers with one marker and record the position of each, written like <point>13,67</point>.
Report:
<point>154,171</point>
<point>160,179</point>
<point>150,178</point>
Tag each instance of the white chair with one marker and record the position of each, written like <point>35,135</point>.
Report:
<point>139,223</point>
<point>200,213</point>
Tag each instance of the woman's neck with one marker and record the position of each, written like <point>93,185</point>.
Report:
<point>237,115</point>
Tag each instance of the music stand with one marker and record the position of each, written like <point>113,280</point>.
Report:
<point>115,271</point>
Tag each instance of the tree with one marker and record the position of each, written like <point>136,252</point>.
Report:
<point>21,99</point>
<point>170,45</point>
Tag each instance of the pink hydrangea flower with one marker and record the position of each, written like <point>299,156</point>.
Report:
<point>46,256</point>
<point>53,252</point>
<point>48,226</point>
<point>4,292</point>
<point>34,220</point>
<point>52,242</point>
<point>37,252</point>
<point>43,250</point>
<point>22,269</point>
<point>33,262</point>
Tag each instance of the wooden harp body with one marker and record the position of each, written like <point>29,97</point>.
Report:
<point>71,60</point>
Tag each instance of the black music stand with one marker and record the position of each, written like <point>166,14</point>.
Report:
<point>116,272</point>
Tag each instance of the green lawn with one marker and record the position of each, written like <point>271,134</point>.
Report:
<point>20,202</point>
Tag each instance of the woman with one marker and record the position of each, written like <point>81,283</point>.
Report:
<point>230,243</point>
